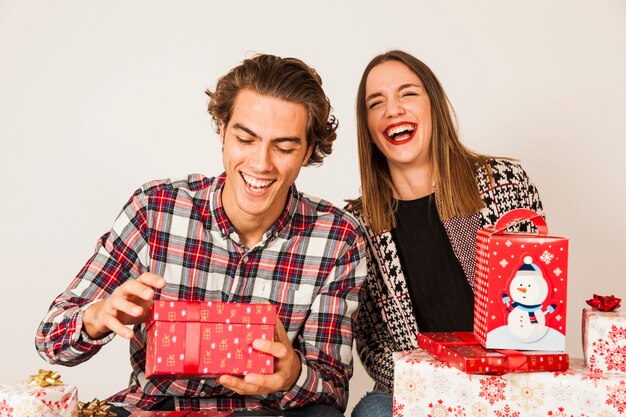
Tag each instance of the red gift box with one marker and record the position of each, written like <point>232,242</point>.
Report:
<point>181,414</point>
<point>520,292</point>
<point>193,339</point>
<point>462,350</point>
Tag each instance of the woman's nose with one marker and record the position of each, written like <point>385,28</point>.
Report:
<point>394,108</point>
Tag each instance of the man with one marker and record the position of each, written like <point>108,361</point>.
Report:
<point>245,236</point>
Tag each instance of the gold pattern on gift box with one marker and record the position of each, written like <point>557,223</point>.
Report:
<point>259,309</point>
<point>533,360</point>
<point>235,371</point>
<point>249,337</point>
<point>207,357</point>
<point>263,370</point>
<point>171,315</point>
<point>45,379</point>
<point>220,308</point>
<point>170,361</point>
<point>269,307</point>
<point>219,328</point>
<point>550,360</point>
<point>173,328</point>
<point>95,408</point>
<point>166,340</point>
<point>204,315</point>
<point>239,354</point>
<point>223,363</point>
<point>161,303</point>
<point>224,344</point>
<point>246,320</point>
<point>206,333</point>
<point>233,312</point>
<point>249,364</point>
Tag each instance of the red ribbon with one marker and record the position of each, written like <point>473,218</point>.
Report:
<point>192,338</point>
<point>604,302</point>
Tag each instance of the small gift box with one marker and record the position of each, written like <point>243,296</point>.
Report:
<point>604,336</point>
<point>521,286</point>
<point>462,350</point>
<point>425,386</point>
<point>202,339</point>
<point>44,395</point>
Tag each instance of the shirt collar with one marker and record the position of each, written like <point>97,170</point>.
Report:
<point>220,219</point>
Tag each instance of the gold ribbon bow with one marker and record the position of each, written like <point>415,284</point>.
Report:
<point>45,379</point>
<point>95,408</point>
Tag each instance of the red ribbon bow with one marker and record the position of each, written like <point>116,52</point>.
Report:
<point>604,302</point>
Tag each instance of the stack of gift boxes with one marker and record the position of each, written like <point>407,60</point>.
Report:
<point>514,364</point>
<point>185,339</point>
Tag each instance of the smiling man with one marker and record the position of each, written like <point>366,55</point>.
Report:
<point>246,235</point>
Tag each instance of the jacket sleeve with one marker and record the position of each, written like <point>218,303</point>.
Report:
<point>61,338</point>
<point>324,343</point>
<point>374,343</point>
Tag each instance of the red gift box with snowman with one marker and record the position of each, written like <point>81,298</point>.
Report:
<point>520,294</point>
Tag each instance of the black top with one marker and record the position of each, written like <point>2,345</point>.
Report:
<point>442,298</point>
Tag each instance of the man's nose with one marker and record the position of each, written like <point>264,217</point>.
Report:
<point>261,158</point>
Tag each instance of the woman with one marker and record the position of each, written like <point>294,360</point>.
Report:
<point>424,197</point>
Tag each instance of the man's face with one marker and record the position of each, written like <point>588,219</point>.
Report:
<point>264,147</point>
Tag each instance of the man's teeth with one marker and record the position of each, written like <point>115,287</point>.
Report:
<point>256,183</point>
<point>395,131</point>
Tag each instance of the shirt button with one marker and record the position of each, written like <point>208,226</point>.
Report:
<point>245,259</point>
<point>203,394</point>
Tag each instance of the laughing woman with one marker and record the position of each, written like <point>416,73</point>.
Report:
<point>424,197</point>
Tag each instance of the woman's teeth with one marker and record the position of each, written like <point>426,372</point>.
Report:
<point>400,132</point>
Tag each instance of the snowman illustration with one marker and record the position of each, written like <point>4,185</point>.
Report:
<point>524,301</point>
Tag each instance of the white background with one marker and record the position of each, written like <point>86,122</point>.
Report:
<point>97,98</point>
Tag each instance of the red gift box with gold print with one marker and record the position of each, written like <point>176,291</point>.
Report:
<point>181,414</point>
<point>194,339</point>
<point>462,350</point>
<point>520,294</point>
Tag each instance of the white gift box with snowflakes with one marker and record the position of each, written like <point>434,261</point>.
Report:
<point>604,340</point>
<point>426,386</point>
<point>22,400</point>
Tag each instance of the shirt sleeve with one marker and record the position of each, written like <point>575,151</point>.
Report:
<point>120,255</point>
<point>325,341</point>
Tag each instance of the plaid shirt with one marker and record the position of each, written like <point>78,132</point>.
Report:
<point>310,264</point>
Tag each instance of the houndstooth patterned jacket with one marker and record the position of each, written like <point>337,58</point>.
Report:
<point>385,321</point>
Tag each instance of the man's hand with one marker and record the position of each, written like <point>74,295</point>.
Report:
<point>128,304</point>
<point>287,367</point>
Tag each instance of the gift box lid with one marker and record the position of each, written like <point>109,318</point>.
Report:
<point>211,311</point>
<point>463,351</point>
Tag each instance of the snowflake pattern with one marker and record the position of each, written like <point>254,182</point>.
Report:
<point>439,409</point>
<point>527,393</point>
<point>546,257</point>
<point>506,412</point>
<point>617,396</point>
<point>609,351</point>
<point>492,389</point>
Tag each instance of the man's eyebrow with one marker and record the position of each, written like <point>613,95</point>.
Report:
<point>294,139</point>
<point>245,129</point>
<point>402,87</point>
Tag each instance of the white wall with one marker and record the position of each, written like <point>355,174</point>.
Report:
<point>98,97</point>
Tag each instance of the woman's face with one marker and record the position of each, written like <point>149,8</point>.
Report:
<point>398,114</point>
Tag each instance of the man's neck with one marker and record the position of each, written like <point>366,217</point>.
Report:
<point>249,227</point>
